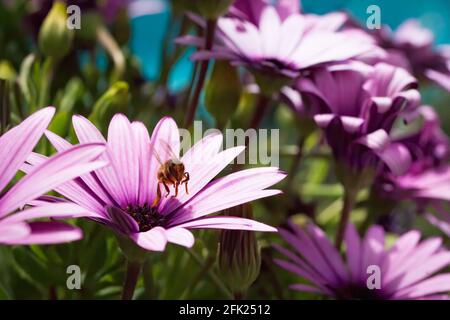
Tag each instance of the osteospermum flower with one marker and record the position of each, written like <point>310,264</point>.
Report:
<point>407,270</point>
<point>281,41</point>
<point>412,46</point>
<point>357,110</point>
<point>427,179</point>
<point>122,196</point>
<point>15,147</point>
<point>430,151</point>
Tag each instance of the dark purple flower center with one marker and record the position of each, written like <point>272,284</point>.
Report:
<point>146,217</point>
<point>359,292</point>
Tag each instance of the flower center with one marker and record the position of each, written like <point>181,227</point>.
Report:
<point>146,217</point>
<point>359,292</point>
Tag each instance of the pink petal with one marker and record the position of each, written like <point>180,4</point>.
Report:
<point>122,220</point>
<point>124,157</point>
<point>372,248</point>
<point>440,78</point>
<point>142,141</point>
<point>425,269</point>
<point>269,27</point>
<point>180,236</point>
<point>49,233</point>
<point>230,191</point>
<point>52,210</point>
<point>232,223</point>
<point>353,251</point>
<point>16,144</point>
<point>70,189</point>
<point>55,171</point>
<point>88,133</point>
<point>11,231</point>
<point>153,240</point>
<point>92,183</point>
<point>436,284</point>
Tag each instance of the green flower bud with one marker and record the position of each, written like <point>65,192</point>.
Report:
<point>114,100</point>
<point>239,257</point>
<point>7,71</point>
<point>222,92</point>
<point>55,39</point>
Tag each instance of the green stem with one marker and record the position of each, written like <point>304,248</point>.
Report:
<point>109,43</point>
<point>47,77</point>
<point>131,278</point>
<point>148,280</point>
<point>220,285</point>
<point>260,111</point>
<point>349,202</point>
<point>258,115</point>
<point>295,164</point>
<point>192,108</point>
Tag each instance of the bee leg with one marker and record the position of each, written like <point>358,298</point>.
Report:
<point>176,188</point>
<point>167,188</point>
<point>158,196</point>
<point>185,181</point>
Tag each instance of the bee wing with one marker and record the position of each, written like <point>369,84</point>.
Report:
<point>168,150</point>
<point>158,158</point>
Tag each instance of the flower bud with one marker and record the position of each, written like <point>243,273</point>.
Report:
<point>55,39</point>
<point>222,92</point>
<point>114,100</point>
<point>7,71</point>
<point>239,257</point>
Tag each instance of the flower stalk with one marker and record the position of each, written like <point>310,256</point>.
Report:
<point>192,107</point>
<point>131,278</point>
<point>349,202</point>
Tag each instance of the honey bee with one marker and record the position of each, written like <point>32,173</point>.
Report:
<point>170,172</point>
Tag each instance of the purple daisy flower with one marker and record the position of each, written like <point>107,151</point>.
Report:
<point>122,196</point>
<point>427,180</point>
<point>15,147</point>
<point>251,10</point>
<point>357,111</point>
<point>412,46</point>
<point>430,151</point>
<point>278,40</point>
<point>407,270</point>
